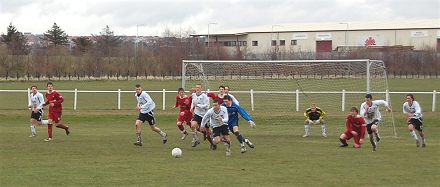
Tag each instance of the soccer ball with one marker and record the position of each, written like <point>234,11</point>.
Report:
<point>176,152</point>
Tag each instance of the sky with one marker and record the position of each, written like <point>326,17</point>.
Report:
<point>153,17</point>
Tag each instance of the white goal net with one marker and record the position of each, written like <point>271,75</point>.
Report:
<point>278,92</point>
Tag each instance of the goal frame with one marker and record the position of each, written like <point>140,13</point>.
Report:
<point>368,64</point>
<point>367,61</point>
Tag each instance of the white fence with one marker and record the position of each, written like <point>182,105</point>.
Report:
<point>251,92</point>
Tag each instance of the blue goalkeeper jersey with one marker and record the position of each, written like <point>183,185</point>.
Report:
<point>233,112</point>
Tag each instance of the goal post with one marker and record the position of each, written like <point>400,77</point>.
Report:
<point>278,92</point>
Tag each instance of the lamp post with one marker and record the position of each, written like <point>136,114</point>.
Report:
<point>276,42</point>
<point>272,32</point>
<point>137,35</point>
<point>208,31</point>
<point>346,33</point>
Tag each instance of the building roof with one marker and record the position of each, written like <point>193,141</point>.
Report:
<point>331,26</point>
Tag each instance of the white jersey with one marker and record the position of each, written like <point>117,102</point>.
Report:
<point>203,104</point>
<point>373,112</point>
<point>213,116</point>
<point>145,102</point>
<point>412,109</point>
<point>36,101</point>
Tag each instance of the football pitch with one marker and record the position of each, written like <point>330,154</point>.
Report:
<point>100,150</point>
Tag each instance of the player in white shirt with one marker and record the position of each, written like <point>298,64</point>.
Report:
<point>199,105</point>
<point>413,114</point>
<point>371,113</point>
<point>145,105</point>
<point>218,116</point>
<point>36,101</point>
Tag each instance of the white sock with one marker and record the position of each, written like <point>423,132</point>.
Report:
<point>414,135</point>
<point>323,128</point>
<point>161,133</point>
<point>306,128</point>
<point>423,139</point>
<point>194,132</point>
<point>44,122</point>
<point>33,129</point>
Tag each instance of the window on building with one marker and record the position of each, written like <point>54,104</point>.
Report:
<point>282,42</point>
<point>254,43</point>
<point>293,42</point>
<point>274,43</point>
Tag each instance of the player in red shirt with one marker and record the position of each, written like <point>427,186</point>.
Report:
<point>219,96</point>
<point>355,129</point>
<point>54,100</point>
<point>184,102</point>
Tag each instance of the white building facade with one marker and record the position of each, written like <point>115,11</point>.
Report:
<point>328,36</point>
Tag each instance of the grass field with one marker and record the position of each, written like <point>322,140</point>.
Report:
<point>99,151</point>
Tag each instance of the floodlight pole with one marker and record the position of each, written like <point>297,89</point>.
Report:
<point>346,33</point>
<point>208,31</point>
<point>137,35</point>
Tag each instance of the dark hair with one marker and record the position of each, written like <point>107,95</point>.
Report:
<point>226,97</point>
<point>49,83</point>
<point>411,95</point>
<point>180,89</point>
<point>33,86</point>
<point>369,96</point>
<point>221,86</point>
<point>217,101</point>
<point>355,109</point>
<point>137,86</point>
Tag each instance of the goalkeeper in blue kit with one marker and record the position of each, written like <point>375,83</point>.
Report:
<point>233,111</point>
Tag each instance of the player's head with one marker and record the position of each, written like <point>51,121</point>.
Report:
<point>409,98</point>
<point>138,88</point>
<point>216,104</point>
<point>34,89</point>
<point>313,107</point>
<point>49,86</point>
<point>368,99</point>
<point>226,89</point>
<point>227,100</point>
<point>199,88</point>
<point>354,111</point>
<point>181,91</point>
<point>221,89</point>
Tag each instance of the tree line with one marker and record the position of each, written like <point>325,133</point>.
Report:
<point>107,52</point>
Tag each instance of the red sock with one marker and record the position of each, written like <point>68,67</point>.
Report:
<point>208,136</point>
<point>181,127</point>
<point>49,130</point>
<point>61,126</point>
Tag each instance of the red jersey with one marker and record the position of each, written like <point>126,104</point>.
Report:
<point>184,103</point>
<point>56,98</point>
<point>214,96</point>
<point>356,124</point>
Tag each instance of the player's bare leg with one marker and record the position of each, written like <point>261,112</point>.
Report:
<point>160,132</point>
<point>194,127</point>
<point>182,129</point>
<point>138,133</point>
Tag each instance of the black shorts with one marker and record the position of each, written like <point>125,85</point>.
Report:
<point>375,122</point>
<point>223,130</point>
<point>198,119</point>
<point>418,124</point>
<point>149,116</point>
<point>37,115</point>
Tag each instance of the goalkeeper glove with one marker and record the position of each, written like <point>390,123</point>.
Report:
<point>252,124</point>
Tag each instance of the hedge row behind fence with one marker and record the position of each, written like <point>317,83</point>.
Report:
<point>177,75</point>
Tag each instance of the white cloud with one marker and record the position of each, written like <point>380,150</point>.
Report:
<point>83,17</point>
